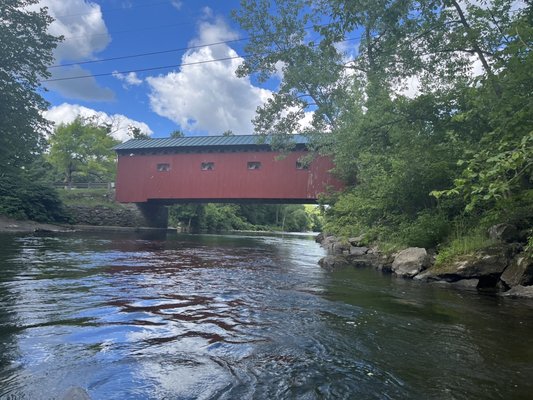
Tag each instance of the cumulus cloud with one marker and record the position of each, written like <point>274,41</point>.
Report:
<point>85,32</point>
<point>130,79</point>
<point>82,25</point>
<point>208,97</point>
<point>66,113</point>
<point>83,88</point>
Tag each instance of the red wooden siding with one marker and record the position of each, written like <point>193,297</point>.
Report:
<point>145,177</point>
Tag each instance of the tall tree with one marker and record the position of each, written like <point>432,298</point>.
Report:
<point>25,53</point>
<point>84,150</point>
<point>347,61</point>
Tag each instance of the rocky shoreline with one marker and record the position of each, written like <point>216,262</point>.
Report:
<point>504,268</point>
<point>9,225</point>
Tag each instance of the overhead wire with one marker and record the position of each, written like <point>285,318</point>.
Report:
<point>141,69</point>
<point>160,67</point>
<point>148,53</point>
<point>159,52</point>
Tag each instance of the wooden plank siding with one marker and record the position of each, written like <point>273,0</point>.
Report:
<point>183,176</point>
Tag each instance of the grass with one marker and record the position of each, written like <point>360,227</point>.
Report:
<point>462,245</point>
<point>87,197</point>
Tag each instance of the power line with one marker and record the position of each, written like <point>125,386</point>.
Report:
<point>159,67</point>
<point>161,51</point>
<point>148,54</point>
<point>142,69</point>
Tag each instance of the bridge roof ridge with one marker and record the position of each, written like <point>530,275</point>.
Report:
<point>203,141</point>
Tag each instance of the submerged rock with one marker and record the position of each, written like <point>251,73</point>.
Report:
<point>520,291</point>
<point>410,262</point>
<point>76,393</point>
<point>333,261</point>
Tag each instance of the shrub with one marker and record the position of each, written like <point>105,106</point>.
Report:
<point>22,198</point>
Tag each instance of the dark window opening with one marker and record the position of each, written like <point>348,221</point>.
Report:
<point>163,167</point>
<point>301,165</point>
<point>208,166</point>
<point>254,165</point>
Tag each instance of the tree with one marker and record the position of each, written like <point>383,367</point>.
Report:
<point>84,150</point>
<point>25,53</point>
<point>136,133</point>
<point>177,134</point>
<point>465,136</point>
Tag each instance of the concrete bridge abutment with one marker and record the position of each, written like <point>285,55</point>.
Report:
<point>154,213</point>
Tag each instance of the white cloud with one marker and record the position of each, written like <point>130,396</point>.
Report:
<point>82,88</point>
<point>85,32</point>
<point>208,97</point>
<point>66,113</point>
<point>82,25</point>
<point>177,4</point>
<point>130,79</point>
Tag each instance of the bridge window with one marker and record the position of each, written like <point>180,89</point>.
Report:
<point>301,165</point>
<point>163,167</point>
<point>254,165</point>
<point>208,166</point>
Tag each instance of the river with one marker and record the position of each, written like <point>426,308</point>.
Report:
<point>168,316</point>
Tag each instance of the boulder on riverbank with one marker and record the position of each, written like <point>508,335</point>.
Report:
<point>486,264</point>
<point>409,262</point>
<point>498,268</point>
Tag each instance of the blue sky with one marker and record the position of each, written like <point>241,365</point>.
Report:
<point>205,98</point>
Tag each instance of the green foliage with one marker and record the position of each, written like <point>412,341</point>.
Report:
<point>223,217</point>
<point>82,150</point>
<point>25,53</point>
<point>22,198</point>
<point>87,197</point>
<point>295,219</point>
<point>186,216</point>
<point>413,166</point>
<point>427,230</point>
<point>177,134</point>
<point>226,217</point>
<point>462,244</point>
<point>136,133</point>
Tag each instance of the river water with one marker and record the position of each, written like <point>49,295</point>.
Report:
<point>167,316</point>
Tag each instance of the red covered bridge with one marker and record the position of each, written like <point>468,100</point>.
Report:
<point>218,169</point>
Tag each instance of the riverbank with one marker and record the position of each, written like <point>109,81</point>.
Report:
<point>9,225</point>
<point>26,226</point>
<point>504,268</point>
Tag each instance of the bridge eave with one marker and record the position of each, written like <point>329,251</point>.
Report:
<point>230,200</point>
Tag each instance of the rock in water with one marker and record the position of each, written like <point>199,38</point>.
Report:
<point>519,272</point>
<point>520,291</point>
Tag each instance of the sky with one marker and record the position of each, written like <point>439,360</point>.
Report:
<point>176,87</point>
<point>102,39</point>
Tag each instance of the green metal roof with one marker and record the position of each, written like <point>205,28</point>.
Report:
<point>202,141</point>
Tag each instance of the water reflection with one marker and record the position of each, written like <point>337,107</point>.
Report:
<point>242,316</point>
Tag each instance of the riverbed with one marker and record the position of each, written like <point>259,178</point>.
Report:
<point>171,316</point>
